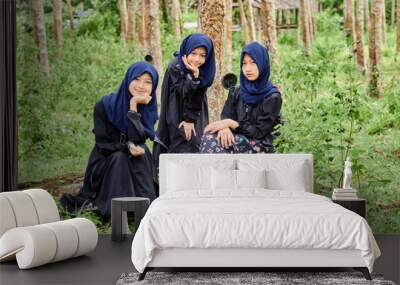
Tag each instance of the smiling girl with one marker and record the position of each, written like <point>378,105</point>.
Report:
<point>184,108</point>
<point>120,164</point>
<point>251,110</point>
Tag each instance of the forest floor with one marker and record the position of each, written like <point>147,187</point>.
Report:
<point>56,186</point>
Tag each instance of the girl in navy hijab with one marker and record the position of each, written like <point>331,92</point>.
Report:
<point>120,164</point>
<point>184,108</point>
<point>250,112</point>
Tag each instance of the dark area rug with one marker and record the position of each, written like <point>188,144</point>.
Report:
<point>242,278</point>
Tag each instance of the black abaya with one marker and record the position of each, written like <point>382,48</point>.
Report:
<point>112,171</point>
<point>182,99</point>
<point>256,121</point>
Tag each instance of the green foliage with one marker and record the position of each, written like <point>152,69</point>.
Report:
<point>328,113</point>
<point>104,21</point>
<point>326,109</point>
<point>102,227</point>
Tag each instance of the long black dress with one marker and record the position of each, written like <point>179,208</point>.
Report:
<point>112,171</point>
<point>182,99</point>
<point>256,124</point>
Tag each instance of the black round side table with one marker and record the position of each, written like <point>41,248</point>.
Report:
<point>119,207</point>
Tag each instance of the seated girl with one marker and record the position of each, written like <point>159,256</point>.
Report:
<point>184,108</point>
<point>250,112</point>
<point>120,164</point>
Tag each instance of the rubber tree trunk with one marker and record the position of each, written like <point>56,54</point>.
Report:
<point>228,37</point>
<point>141,28</point>
<point>314,12</point>
<point>243,22</point>
<point>383,14</point>
<point>176,9</point>
<point>57,23</point>
<point>268,18</point>
<point>123,13</point>
<point>375,84</point>
<point>349,24</point>
<point>212,24</point>
<point>70,11</point>
<point>251,20</point>
<point>299,28</point>
<point>366,14</point>
<point>310,21</point>
<point>39,22</point>
<point>131,20</point>
<point>147,24</point>
<point>305,26</point>
<point>360,35</point>
<point>398,26</point>
<point>155,40</point>
<point>164,9</point>
<point>185,7</point>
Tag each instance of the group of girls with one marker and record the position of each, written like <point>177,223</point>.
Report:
<point>121,165</point>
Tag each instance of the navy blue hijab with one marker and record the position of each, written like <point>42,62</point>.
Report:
<point>117,104</point>
<point>207,70</point>
<point>253,92</point>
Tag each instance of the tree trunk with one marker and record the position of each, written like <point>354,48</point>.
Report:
<point>123,19</point>
<point>228,36</point>
<point>398,26</point>
<point>360,35</point>
<point>199,18</point>
<point>147,24</point>
<point>212,24</point>
<point>251,20</point>
<point>349,24</point>
<point>366,14</point>
<point>155,41</point>
<point>57,23</point>
<point>383,14</point>
<point>185,7</point>
<point>299,28</point>
<point>34,33</point>
<point>375,84</point>
<point>268,16</point>
<point>393,13</point>
<point>164,9</point>
<point>40,27</point>
<point>141,29</point>
<point>176,9</point>
<point>310,21</point>
<point>257,24</point>
<point>131,20</point>
<point>82,5</point>
<point>305,25</point>
<point>279,13</point>
<point>70,14</point>
<point>314,11</point>
<point>243,22</point>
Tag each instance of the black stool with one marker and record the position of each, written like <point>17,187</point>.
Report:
<point>120,207</point>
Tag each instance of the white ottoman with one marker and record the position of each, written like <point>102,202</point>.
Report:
<point>31,230</point>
